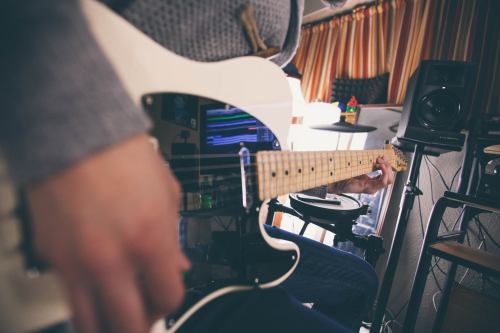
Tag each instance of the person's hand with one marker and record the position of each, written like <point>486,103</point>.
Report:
<point>365,183</point>
<point>108,226</point>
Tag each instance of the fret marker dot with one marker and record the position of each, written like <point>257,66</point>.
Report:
<point>331,159</point>
<point>273,174</point>
<point>300,170</point>
<point>348,163</point>
<point>286,172</point>
<point>312,169</point>
<point>331,173</point>
<point>359,162</point>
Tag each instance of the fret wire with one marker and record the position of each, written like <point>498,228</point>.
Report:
<point>271,180</point>
<point>324,159</point>
<point>310,173</point>
<point>303,171</point>
<point>336,162</point>
<point>331,164</point>
<point>312,169</point>
<point>268,175</point>
<point>318,168</point>
<point>286,166</point>
<point>319,162</point>
<point>279,172</point>
<point>274,167</point>
<point>262,174</point>
<point>260,177</point>
<point>353,163</point>
<point>298,166</point>
<point>293,172</point>
<point>307,170</point>
<point>316,173</point>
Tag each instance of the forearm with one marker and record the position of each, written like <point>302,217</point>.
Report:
<point>338,187</point>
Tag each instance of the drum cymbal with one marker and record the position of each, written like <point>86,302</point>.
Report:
<point>345,127</point>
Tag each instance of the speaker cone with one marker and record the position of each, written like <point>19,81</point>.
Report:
<point>439,110</point>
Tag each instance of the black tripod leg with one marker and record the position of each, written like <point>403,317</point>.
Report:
<point>304,227</point>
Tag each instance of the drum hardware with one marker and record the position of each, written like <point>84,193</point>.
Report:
<point>344,127</point>
<point>337,216</point>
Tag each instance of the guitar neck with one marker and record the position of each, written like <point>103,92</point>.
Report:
<point>282,172</point>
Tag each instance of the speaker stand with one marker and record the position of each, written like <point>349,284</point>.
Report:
<point>411,191</point>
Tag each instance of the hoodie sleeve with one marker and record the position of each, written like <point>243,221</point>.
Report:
<point>60,98</point>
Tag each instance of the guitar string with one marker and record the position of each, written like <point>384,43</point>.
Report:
<point>277,152</point>
<point>279,176</point>
<point>227,192</point>
<point>238,165</point>
<point>237,184</point>
<point>178,171</point>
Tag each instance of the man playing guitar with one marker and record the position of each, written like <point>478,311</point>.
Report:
<point>77,146</point>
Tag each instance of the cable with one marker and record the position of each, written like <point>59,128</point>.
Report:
<point>480,224</point>
<point>439,173</point>
<point>430,181</point>
<point>480,232</point>
<point>427,162</point>
<point>439,267</point>
<point>401,309</point>
<point>458,218</point>
<point>420,211</point>
<point>454,176</point>
<point>436,279</point>
<point>434,300</point>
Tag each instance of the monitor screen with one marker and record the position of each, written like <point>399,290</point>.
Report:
<point>225,129</point>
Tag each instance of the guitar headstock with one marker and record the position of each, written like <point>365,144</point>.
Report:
<point>396,157</point>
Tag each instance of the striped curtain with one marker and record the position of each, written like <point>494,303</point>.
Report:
<point>355,46</point>
<point>394,36</point>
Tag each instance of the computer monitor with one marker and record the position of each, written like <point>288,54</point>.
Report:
<point>225,129</point>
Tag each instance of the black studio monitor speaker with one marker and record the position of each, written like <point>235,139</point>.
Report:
<point>437,104</point>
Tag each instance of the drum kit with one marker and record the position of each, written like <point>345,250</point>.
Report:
<point>338,213</point>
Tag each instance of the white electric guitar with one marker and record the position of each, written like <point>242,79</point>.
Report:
<point>250,84</point>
